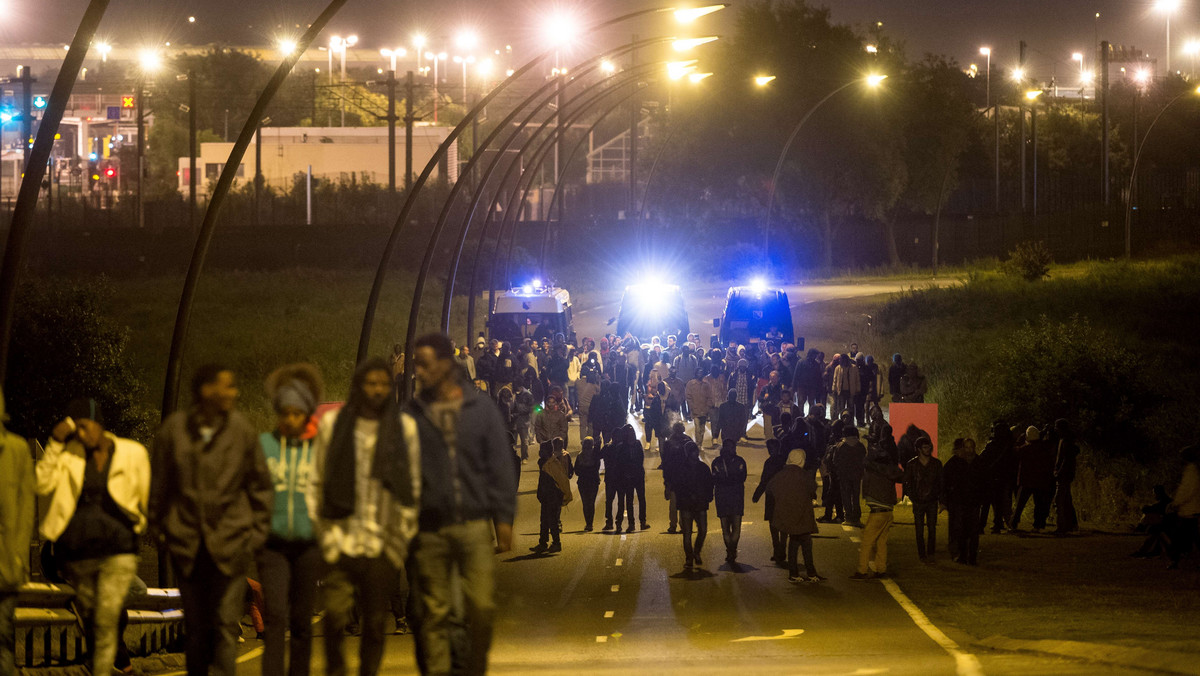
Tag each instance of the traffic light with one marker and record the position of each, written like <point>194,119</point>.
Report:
<point>110,172</point>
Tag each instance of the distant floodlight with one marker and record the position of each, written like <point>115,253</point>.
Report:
<point>691,43</point>
<point>764,80</point>
<point>608,67</point>
<point>149,60</point>
<point>698,77</point>
<point>286,46</point>
<point>875,80</point>
<point>561,29</point>
<point>467,39</point>
<point>678,69</point>
<point>1018,74</point>
<point>985,51</point>
<point>1032,94</point>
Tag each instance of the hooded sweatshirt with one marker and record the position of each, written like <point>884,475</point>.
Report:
<point>16,506</point>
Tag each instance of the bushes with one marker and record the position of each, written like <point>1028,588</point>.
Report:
<point>64,347</point>
<point>1029,261</point>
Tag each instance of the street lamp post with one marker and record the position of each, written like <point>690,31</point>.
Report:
<point>987,51</point>
<point>1167,7</point>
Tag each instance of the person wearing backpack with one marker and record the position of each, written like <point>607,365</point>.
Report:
<point>553,491</point>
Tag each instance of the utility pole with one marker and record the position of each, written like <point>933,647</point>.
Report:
<point>191,78</point>
<point>27,81</point>
<point>1104,56</point>
<point>559,170</point>
<point>1033,130</point>
<point>141,151</point>
<point>1021,108</point>
<point>635,107</point>
<point>258,176</point>
<point>409,90</point>
<point>391,120</point>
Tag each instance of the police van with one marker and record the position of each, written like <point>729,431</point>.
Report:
<point>653,309</point>
<point>538,312</point>
<point>756,313</point>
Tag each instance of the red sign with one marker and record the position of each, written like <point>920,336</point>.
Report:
<point>128,102</point>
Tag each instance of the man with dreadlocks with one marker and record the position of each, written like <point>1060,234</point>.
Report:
<point>363,495</point>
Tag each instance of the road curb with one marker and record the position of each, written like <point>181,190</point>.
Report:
<point>1103,653</point>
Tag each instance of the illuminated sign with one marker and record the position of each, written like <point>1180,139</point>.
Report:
<point>128,101</point>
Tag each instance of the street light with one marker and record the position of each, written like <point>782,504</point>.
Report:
<point>464,60</point>
<point>678,69</point>
<point>688,44</point>
<point>1192,48</point>
<point>764,80</point>
<point>440,56</point>
<point>418,41</point>
<point>690,15</point>
<point>104,48</point>
<point>1018,74</point>
<point>467,39</point>
<point>987,51</point>
<point>393,54</point>
<point>286,46</point>
<point>1167,7</point>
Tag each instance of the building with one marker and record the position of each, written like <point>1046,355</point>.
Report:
<point>333,153</point>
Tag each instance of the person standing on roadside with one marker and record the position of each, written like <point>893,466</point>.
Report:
<point>468,501</point>
<point>849,463</point>
<point>98,486</point>
<point>552,422</point>
<point>694,491</point>
<point>793,490</point>
<point>614,479</point>
<point>923,486</point>
<point>729,481</point>
<point>211,498</point>
<point>1067,521</point>
<point>879,489</point>
<point>290,564</point>
<point>587,478</point>
<point>895,374</point>
<point>553,491</point>
<point>1035,478</point>
<point>998,462</point>
<point>16,528</point>
<point>672,460</point>
<point>962,492</point>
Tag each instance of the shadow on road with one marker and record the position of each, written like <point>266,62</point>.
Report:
<point>693,574</point>
<point>533,556</point>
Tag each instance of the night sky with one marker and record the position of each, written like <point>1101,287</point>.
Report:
<point>1053,28</point>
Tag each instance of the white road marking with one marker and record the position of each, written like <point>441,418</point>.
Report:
<point>616,588</point>
<point>855,538</point>
<point>965,663</point>
<point>787,633</point>
<point>624,536</point>
<point>601,639</point>
<point>608,614</point>
<point>620,562</point>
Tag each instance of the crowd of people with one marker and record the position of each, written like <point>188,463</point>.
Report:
<point>367,499</point>
<point>391,502</point>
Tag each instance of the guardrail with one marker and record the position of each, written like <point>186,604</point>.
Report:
<point>50,634</point>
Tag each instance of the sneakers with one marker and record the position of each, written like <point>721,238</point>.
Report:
<point>817,578</point>
<point>607,526</point>
<point>797,579</point>
<point>860,577</point>
<point>555,548</point>
<point>540,548</point>
<point>631,529</point>
<point>645,526</point>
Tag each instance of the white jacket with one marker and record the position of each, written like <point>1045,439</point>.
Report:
<point>60,476</point>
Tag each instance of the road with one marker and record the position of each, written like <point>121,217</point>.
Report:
<point>706,302</point>
<point>619,604</point>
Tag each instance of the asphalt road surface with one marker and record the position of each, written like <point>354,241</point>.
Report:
<point>623,604</point>
<point>705,303</point>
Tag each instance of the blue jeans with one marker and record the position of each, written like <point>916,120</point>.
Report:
<point>467,546</point>
<point>8,632</point>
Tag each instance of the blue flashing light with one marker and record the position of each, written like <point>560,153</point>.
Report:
<point>758,285</point>
<point>5,118</point>
<point>93,157</point>
<point>537,283</point>
<point>527,289</point>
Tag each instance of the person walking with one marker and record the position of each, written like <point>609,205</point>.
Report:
<point>895,374</point>
<point>587,479</point>
<point>695,492</point>
<point>522,413</point>
<point>290,564</point>
<point>806,382</point>
<point>17,487</point>
<point>633,459</point>
<point>880,476</point>
<point>923,486</point>
<point>211,498</point>
<point>1035,478</point>
<point>98,488</point>
<point>998,462</point>
<point>614,479</point>
<point>363,491</point>
<point>715,384</point>
<point>962,492</point>
<point>733,416</point>
<point>793,490</point>
<point>849,463</point>
<point>699,402</point>
<point>846,384</point>
<point>743,384</point>
<point>769,401</point>
<point>553,492</point>
<point>729,491</point>
<point>1067,521</point>
<point>775,461</point>
<point>467,505</point>
<point>553,421</point>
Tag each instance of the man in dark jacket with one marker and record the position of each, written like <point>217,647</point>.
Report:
<point>806,382</point>
<point>587,478</point>
<point>906,448</point>
<point>468,496</point>
<point>729,479</point>
<point>522,413</point>
<point>614,480</point>
<point>880,477</point>
<point>923,486</point>
<point>694,492</point>
<point>1035,478</point>
<point>211,497</point>
<point>849,462</point>
<point>732,416</point>
<point>963,485</point>
<point>555,466</point>
<point>630,460</point>
<point>895,373</point>
<point>673,458</point>
<point>999,464</point>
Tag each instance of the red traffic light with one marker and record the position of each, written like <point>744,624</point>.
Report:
<point>110,172</point>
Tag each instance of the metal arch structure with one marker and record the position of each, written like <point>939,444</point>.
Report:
<point>495,202</point>
<point>224,183</point>
<point>477,195</point>
<point>364,341</point>
<point>35,171</point>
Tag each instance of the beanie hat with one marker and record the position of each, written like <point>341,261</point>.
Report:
<point>796,457</point>
<point>1032,433</point>
<point>85,409</point>
<point>295,394</point>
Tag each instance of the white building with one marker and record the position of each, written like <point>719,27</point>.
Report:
<point>334,153</point>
